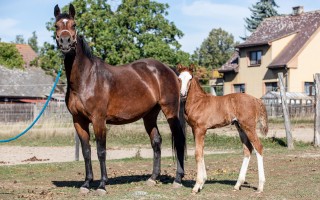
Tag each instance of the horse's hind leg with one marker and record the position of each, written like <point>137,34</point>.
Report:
<point>150,123</point>
<point>179,139</point>
<point>82,128</point>
<point>100,131</point>
<point>247,150</point>
<point>199,135</point>
<point>253,139</point>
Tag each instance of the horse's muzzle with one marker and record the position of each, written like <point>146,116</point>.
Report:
<point>66,43</point>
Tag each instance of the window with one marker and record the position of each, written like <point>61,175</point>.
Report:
<point>309,88</point>
<point>239,88</point>
<point>255,57</point>
<point>272,86</point>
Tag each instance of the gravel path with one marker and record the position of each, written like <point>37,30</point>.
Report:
<point>13,155</point>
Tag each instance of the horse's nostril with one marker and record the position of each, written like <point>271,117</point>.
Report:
<point>69,40</point>
<point>61,40</point>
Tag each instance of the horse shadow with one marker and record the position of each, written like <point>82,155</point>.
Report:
<point>164,179</point>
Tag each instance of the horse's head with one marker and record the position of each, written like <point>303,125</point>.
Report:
<point>66,34</point>
<point>185,77</point>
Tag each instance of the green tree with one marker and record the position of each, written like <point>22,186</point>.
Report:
<point>214,50</point>
<point>50,59</point>
<point>9,56</point>
<point>33,42</point>
<point>136,29</point>
<point>19,39</point>
<point>261,10</point>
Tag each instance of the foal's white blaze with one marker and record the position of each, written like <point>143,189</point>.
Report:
<point>262,178</point>
<point>243,172</point>
<point>65,21</point>
<point>185,78</point>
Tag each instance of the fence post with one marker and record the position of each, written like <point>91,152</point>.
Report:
<point>285,112</point>
<point>316,140</point>
<point>77,146</point>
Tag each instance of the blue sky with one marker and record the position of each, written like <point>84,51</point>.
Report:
<point>195,18</point>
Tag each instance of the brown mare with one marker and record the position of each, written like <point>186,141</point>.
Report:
<point>99,93</point>
<point>204,111</point>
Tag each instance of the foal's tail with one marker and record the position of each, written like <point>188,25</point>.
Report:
<point>263,118</point>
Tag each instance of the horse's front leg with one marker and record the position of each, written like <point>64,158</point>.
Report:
<point>150,123</point>
<point>199,135</point>
<point>100,130</point>
<point>82,128</point>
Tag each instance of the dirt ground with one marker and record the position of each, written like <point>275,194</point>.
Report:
<point>289,175</point>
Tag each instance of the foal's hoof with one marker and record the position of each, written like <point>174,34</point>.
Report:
<point>151,182</point>
<point>101,192</point>
<point>84,190</point>
<point>176,185</point>
<point>259,191</point>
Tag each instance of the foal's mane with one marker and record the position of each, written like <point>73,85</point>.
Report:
<point>196,84</point>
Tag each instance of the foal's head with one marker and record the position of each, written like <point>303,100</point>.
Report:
<point>185,77</point>
<point>66,34</point>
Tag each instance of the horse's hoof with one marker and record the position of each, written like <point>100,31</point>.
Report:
<point>194,192</point>
<point>101,192</point>
<point>84,190</point>
<point>258,191</point>
<point>236,188</point>
<point>151,182</point>
<point>176,185</point>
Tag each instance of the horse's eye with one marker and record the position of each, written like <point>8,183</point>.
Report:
<point>56,26</point>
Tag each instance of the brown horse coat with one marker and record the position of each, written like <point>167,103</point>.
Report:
<point>99,93</point>
<point>204,111</point>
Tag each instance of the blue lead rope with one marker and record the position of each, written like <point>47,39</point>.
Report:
<point>41,112</point>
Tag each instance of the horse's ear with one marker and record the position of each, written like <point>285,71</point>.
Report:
<point>72,11</point>
<point>192,68</point>
<point>179,67</point>
<point>56,11</point>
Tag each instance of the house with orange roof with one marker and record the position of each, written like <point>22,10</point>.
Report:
<point>27,53</point>
<point>287,44</point>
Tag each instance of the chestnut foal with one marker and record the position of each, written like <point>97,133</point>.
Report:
<point>204,111</point>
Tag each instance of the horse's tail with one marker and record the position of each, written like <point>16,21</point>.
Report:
<point>263,118</point>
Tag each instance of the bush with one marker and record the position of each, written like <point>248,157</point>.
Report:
<point>10,56</point>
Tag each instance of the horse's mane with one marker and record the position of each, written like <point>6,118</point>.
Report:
<point>197,85</point>
<point>85,47</point>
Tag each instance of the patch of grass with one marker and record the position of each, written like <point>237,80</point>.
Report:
<point>297,169</point>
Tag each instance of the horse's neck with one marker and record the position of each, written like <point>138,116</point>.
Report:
<point>75,66</point>
<point>195,92</point>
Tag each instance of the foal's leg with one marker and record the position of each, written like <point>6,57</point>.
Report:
<point>100,130</point>
<point>82,128</point>
<point>199,135</point>
<point>247,150</point>
<point>150,123</point>
<point>255,142</point>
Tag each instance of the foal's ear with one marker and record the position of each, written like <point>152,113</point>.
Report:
<point>56,11</point>
<point>72,11</point>
<point>192,68</point>
<point>179,67</point>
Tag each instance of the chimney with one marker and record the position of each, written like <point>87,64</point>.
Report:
<point>297,10</point>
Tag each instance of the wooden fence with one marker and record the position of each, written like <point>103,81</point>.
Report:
<point>275,110</point>
<point>11,113</point>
